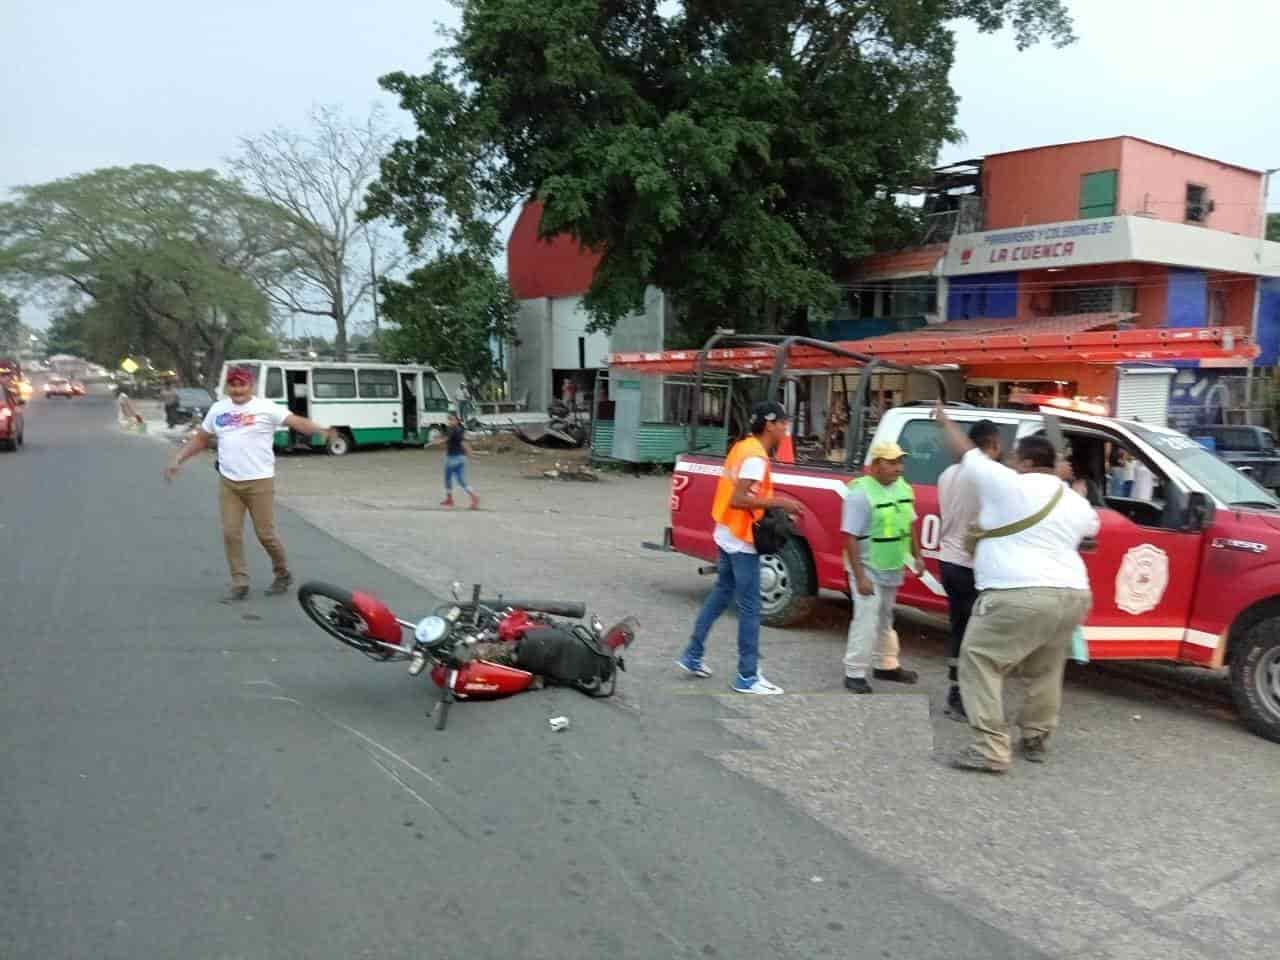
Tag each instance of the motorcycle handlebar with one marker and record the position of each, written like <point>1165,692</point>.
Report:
<point>573,610</point>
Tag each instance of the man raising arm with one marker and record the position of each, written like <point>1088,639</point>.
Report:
<point>245,427</point>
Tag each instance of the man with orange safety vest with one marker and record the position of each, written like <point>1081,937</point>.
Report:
<point>743,493</point>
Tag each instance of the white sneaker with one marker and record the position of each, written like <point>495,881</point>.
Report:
<point>759,686</point>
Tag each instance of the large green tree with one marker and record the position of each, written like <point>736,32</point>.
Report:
<point>11,328</point>
<point>735,153</point>
<point>454,313</point>
<point>151,259</point>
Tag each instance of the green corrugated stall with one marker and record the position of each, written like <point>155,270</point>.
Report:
<point>659,442</point>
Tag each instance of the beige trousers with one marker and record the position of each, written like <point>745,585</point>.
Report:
<point>871,637</point>
<point>257,498</point>
<point>1027,630</point>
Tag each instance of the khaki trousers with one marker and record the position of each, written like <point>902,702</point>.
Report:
<point>257,497</point>
<point>1027,630</point>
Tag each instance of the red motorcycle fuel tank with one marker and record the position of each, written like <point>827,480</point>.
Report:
<point>482,680</point>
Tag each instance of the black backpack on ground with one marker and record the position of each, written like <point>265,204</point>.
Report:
<point>569,657</point>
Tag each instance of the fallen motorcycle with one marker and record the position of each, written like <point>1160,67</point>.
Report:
<point>478,649</point>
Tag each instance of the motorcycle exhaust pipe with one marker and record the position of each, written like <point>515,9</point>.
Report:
<point>707,571</point>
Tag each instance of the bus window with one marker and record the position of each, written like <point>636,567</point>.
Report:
<point>433,395</point>
<point>379,385</point>
<point>275,384</point>
<point>333,383</point>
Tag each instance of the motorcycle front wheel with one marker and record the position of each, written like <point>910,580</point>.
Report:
<point>333,610</point>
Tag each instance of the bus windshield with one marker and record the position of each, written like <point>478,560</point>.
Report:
<point>1220,479</point>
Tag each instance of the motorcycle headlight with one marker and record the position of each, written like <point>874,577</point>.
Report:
<point>430,630</point>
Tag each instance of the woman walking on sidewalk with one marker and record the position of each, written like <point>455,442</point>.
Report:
<point>455,462</point>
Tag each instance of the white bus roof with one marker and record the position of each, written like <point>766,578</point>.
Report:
<point>306,364</point>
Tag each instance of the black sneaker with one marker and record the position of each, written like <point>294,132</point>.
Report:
<point>280,585</point>
<point>896,675</point>
<point>955,705</point>
<point>236,595</point>
<point>857,685</point>
<point>1035,748</point>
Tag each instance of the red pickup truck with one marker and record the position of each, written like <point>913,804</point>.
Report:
<point>1187,570</point>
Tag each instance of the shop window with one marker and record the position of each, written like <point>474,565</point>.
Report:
<point>1198,204</point>
<point>1122,298</point>
<point>379,385</point>
<point>1098,194</point>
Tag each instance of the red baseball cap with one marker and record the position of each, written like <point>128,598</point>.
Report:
<point>239,375</point>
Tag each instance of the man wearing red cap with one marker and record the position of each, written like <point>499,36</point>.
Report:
<point>245,427</point>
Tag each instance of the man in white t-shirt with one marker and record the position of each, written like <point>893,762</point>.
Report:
<point>1033,592</point>
<point>245,427</point>
<point>958,507</point>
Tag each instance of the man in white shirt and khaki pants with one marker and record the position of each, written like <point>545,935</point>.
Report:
<point>1033,593</point>
<point>245,427</point>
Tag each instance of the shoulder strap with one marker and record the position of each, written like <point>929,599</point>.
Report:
<point>1026,523</point>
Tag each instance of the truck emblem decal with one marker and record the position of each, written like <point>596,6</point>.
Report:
<point>1142,579</point>
<point>1224,543</point>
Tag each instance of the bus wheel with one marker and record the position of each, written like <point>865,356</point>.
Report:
<point>1255,679</point>
<point>339,444</point>
<point>788,586</point>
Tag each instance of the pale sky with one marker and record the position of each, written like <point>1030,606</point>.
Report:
<point>86,83</point>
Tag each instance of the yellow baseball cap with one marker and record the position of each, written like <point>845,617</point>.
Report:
<point>886,450</point>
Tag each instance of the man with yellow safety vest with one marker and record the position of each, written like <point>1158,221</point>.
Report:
<point>878,522</point>
<point>743,493</point>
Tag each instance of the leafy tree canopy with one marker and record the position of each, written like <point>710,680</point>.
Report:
<point>451,313</point>
<point>149,260</point>
<point>735,153</point>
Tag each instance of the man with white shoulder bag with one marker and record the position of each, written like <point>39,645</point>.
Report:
<point>1033,593</point>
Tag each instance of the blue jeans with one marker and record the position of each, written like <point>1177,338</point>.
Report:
<point>737,576</point>
<point>455,468</point>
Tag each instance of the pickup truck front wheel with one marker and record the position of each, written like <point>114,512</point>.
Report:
<point>1255,679</point>
<point>788,586</point>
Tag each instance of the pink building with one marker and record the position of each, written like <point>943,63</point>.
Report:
<point>1049,237</point>
<point>1120,176</point>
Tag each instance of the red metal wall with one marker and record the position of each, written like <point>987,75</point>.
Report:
<point>557,267</point>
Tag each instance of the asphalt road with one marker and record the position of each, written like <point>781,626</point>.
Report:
<point>184,779</point>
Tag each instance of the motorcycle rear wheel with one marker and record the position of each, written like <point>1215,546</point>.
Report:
<point>333,610</point>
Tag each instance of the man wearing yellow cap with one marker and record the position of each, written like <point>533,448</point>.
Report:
<point>881,540</point>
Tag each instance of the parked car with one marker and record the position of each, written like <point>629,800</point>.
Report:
<point>12,426</point>
<point>190,403</point>
<point>1247,448</point>
<point>58,387</point>
<point>77,388</point>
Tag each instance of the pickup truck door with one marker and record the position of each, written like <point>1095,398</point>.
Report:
<point>1143,574</point>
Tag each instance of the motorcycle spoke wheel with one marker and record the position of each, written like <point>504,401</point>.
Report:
<point>333,611</point>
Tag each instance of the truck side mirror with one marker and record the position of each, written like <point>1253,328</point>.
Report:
<point>1199,512</point>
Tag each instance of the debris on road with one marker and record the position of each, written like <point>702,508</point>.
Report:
<point>568,471</point>
<point>559,723</point>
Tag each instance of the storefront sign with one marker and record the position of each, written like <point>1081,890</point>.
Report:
<point>1074,243</point>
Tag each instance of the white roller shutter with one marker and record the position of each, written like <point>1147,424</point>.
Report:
<point>1143,394</point>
